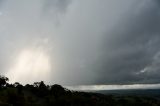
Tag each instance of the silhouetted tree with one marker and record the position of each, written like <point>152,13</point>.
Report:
<point>43,91</point>
<point>19,87</point>
<point>9,85</point>
<point>3,81</point>
<point>42,85</point>
<point>57,90</point>
<point>36,84</point>
<point>31,88</point>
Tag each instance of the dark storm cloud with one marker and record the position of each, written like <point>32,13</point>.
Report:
<point>131,49</point>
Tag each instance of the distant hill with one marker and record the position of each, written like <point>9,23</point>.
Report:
<point>140,92</point>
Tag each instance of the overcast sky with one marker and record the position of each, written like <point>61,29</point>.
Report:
<point>80,42</point>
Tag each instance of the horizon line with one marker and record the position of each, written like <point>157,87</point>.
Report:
<point>113,87</point>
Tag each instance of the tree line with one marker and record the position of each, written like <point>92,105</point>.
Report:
<point>40,94</point>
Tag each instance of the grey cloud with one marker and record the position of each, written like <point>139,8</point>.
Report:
<point>55,9</point>
<point>131,46</point>
<point>56,5</point>
<point>88,42</point>
<point>25,24</point>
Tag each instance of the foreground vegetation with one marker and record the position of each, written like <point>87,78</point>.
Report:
<point>40,94</point>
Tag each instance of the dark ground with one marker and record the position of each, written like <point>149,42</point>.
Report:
<point>40,94</point>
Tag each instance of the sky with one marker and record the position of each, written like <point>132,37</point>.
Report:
<point>80,42</point>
